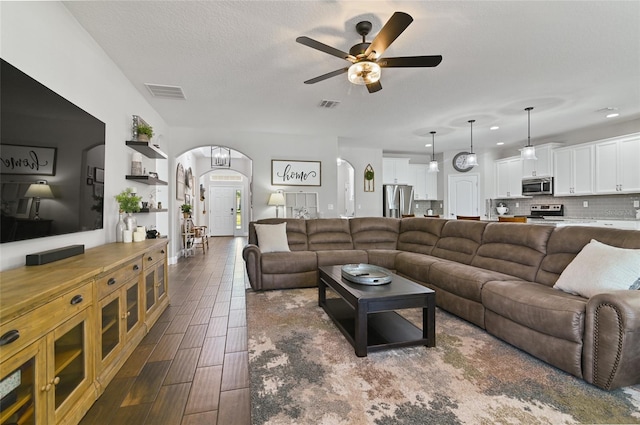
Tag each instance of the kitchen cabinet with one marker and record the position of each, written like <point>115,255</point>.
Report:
<point>395,170</point>
<point>543,166</point>
<point>573,171</point>
<point>508,177</point>
<point>616,165</point>
<point>425,184</point>
<point>67,327</point>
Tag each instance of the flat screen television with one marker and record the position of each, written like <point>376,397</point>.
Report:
<point>46,139</point>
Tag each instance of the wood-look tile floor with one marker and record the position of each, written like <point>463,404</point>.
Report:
<point>192,366</point>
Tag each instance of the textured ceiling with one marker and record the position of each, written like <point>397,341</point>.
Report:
<point>241,69</point>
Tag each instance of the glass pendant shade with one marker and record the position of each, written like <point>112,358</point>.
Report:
<point>364,72</point>
<point>433,165</point>
<point>472,158</point>
<point>529,151</point>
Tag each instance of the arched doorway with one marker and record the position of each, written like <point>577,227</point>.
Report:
<point>346,189</point>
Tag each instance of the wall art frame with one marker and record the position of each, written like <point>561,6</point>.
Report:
<point>28,160</point>
<point>296,173</point>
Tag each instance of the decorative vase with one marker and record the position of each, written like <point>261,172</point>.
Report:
<point>120,227</point>
<point>131,222</point>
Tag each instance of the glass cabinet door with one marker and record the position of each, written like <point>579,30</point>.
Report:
<point>149,289</point>
<point>18,381</point>
<point>133,306</point>
<point>110,315</point>
<point>161,280</point>
<point>70,374</point>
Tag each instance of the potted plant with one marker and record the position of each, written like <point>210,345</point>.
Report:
<point>145,132</point>
<point>129,202</point>
<point>186,210</point>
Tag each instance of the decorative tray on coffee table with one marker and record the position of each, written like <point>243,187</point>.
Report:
<point>366,274</point>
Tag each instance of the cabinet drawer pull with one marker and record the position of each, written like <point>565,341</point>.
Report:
<point>135,267</point>
<point>150,259</point>
<point>76,300</point>
<point>111,281</point>
<point>162,252</point>
<point>9,337</point>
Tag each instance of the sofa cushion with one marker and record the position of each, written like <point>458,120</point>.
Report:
<point>415,266</point>
<point>288,262</point>
<point>517,251</point>
<point>600,268</point>
<point>383,257</point>
<point>537,307</point>
<point>566,242</point>
<point>459,240</point>
<point>374,232</point>
<point>341,256</point>
<point>462,279</point>
<point>329,233</point>
<point>272,237</point>
<point>296,232</point>
<point>419,234</point>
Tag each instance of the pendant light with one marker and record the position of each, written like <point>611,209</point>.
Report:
<point>472,158</point>
<point>433,165</point>
<point>529,151</point>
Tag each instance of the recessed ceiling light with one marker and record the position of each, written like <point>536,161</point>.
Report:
<point>494,127</point>
<point>500,143</point>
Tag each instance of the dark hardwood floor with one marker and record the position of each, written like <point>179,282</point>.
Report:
<point>192,366</point>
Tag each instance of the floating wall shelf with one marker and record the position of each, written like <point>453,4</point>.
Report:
<point>146,149</point>
<point>148,180</point>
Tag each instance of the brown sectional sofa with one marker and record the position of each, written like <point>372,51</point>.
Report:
<point>499,276</point>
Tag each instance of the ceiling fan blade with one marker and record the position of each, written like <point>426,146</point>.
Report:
<point>410,61</point>
<point>324,48</point>
<point>398,22</point>
<point>327,75</point>
<point>374,87</point>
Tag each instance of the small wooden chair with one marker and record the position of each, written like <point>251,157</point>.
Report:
<point>513,219</point>
<point>200,238</point>
<point>468,217</point>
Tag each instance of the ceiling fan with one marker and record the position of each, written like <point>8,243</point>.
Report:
<point>365,57</point>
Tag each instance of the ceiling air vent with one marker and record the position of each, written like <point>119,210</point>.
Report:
<point>169,92</point>
<point>329,103</point>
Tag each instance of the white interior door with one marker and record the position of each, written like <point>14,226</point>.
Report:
<point>463,195</point>
<point>222,210</point>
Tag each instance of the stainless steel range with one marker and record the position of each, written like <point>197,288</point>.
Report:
<point>542,211</point>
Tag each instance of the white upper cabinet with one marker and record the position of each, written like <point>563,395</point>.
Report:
<point>573,171</point>
<point>395,171</point>
<point>541,167</point>
<point>617,167</point>
<point>425,184</point>
<point>508,177</point>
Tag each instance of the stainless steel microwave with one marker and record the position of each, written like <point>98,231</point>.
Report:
<point>537,186</point>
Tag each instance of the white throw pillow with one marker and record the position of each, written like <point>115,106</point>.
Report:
<point>272,237</point>
<point>600,268</point>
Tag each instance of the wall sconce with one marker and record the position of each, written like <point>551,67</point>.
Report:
<point>275,200</point>
<point>220,157</point>
<point>37,191</point>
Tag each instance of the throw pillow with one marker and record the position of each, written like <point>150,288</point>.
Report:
<point>600,268</point>
<point>272,237</point>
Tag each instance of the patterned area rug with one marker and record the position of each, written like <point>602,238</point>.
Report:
<point>303,371</point>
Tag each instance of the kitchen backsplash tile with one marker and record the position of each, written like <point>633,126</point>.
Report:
<point>618,207</point>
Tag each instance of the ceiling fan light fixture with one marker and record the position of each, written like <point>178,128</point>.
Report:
<point>529,151</point>
<point>364,72</point>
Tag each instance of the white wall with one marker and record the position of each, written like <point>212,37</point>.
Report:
<point>368,204</point>
<point>45,41</point>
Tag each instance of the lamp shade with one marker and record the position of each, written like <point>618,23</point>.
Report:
<point>364,72</point>
<point>276,199</point>
<point>39,190</point>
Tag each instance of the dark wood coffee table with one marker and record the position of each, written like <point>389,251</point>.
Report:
<point>365,314</point>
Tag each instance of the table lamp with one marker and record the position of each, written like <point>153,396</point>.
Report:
<point>37,191</point>
<point>276,199</point>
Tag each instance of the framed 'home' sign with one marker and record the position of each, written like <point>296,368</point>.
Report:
<point>295,173</point>
<point>27,160</point>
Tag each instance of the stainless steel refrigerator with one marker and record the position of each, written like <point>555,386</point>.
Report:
<point>397,200</point>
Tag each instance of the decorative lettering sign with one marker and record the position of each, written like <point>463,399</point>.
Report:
<point>33,160</point>
<point>295,173</point>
